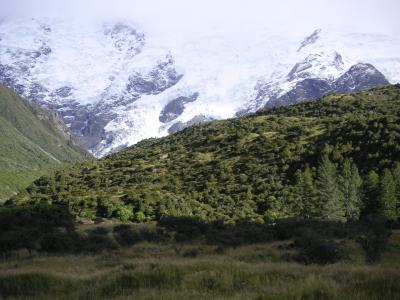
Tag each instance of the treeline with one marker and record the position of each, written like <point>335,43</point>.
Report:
<point>342,194</point>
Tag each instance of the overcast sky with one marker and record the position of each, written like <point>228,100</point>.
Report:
<point>162,16</point>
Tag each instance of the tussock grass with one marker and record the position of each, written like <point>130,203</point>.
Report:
<point>163,271</point>
<point>199,279</point>
<point>197,270</point>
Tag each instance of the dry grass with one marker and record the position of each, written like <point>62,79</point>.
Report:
<point>155,271</point>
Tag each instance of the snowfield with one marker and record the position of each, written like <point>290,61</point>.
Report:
<point>111,81</point>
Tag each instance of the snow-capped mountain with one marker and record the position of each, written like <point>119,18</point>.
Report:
<point>114,85</point>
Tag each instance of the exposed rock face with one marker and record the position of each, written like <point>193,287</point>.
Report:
<point>160,78</point>
<point>175,108</point>
<point>316,63</point>
<point>311,39</point>
<point>200,119</point>
<point>63,92</point>
<point>19,70</point>
<point>114,87</point>
<point>119,32</point>
<point>307,89</point>
<point>358,77</point>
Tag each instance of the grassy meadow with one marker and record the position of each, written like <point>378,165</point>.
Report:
<point>197,270</point>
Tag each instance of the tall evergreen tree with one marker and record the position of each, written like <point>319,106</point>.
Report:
<point>351,188</point>
<point>371,193</point>
<point>388,196</point>
<point>306,205</point>
<point>329,192</point>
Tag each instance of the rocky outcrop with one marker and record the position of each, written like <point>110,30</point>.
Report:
<point>307,89</point>
<point>88,121</point>
<point>311,39</point>
<point>175,108</point>
<point>316,64</point>
<point>113,87</point>
<point>358,77</point>
<point>125,37</point>
<point>160,78</point>
<point>200,119</point>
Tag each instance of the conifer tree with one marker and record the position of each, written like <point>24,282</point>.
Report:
<point>371,193</point>
<point>351,188</point>
<point>329,194</point>
<point>388,196</point>
<point>306,204</point>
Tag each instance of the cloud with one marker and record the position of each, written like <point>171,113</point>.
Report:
<point>164,16</point>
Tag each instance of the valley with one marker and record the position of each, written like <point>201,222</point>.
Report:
<point>199,150</point>
<point>293,202</point>
<point>33,141</point>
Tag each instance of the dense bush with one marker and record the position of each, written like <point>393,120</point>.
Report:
<point>26,227</point>
<point>33,228</point>
<point>268,176</point>
<point>307,161</point>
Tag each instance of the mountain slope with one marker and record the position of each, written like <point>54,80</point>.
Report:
<point>115,84</point>
<point>32,140</point>
<point>234,169</point>
<point>357,78</point>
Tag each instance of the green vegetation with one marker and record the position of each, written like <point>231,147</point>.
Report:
<point>181,258</point>
<point>331,159</point>
<point>32,141</point>
<point>298,202</point>
<point>44,256</point>
<point>51,229</point>
<point>136,275</point>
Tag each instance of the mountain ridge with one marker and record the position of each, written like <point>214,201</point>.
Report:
<point>116,103</point>
<point>32,141</point>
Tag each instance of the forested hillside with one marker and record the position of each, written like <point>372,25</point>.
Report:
<point>32,141</point>
<point>336,158</point>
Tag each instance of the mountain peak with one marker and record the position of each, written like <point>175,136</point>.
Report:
<point>322,65</point>
<point>111,82</point>
<point>360,76</point>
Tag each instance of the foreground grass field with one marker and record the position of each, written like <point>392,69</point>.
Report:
<point>200,271</point>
